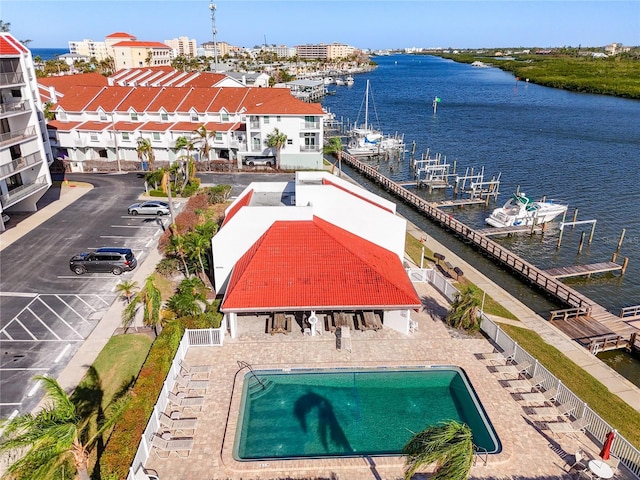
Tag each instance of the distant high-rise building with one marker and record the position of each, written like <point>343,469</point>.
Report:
<point>183,46</point>
<point>89,48</point>
<point>25,153</point>
<point>325,51</point>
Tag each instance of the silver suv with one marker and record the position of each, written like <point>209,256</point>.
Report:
<point>114,260</point>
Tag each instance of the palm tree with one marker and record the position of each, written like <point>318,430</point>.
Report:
<point>190,298</point>
<point>277,140</point>
<point>203,139</point>
<point>149,296</point>
<point>448,445</point>
<point>55,436</point>
<point>198,246</point>
<point>149,58</point>
<point>178,245</point>
<point>145,151</point>
<point>464,311</point>
<point>334,147</point>
<point>127,288</point>
<point>4,26</point>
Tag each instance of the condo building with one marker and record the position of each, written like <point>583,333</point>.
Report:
<point>25,153</point>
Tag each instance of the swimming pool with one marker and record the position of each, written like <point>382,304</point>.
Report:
<point>355,412</point>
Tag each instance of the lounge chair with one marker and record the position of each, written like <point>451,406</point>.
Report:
<point>184,426</point>
<point>186,384</point>
<point>563,428</point>
<point>528,384</point>
<point>497,358</point>
<point>195,370</point>
<point>537,398</point>
<point>579,462</point>
<point>145,474</point>
<point>180,446</point>
<point>182,401</point>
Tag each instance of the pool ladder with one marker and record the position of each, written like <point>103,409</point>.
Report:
<point>242,364</point>
<point>480,453</point>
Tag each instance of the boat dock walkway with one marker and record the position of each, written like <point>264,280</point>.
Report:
<point>583,270</point>
<point>510,230</point>
<point>596,321</point>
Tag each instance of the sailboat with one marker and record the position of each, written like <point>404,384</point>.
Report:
<point>367,141</point>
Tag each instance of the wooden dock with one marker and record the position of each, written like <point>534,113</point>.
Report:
<point>510,230</point>
<point>596,322</point>
<point>583,270</point>
<point>461,202</point>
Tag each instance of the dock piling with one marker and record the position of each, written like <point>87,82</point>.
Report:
<point>581,242</point>
<point>621,238</point>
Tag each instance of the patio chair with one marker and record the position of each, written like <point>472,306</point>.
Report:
<point>614,463</point>
<point>182,401</point>
<point>195,370</point>
<point>184,426</point>
<point>537,398</point>
<point>145,474</point>
<point>185,383</point>
<point>563,428</point>
<point>528,384</point>
<point>179,446</point>
<point>579,462</point>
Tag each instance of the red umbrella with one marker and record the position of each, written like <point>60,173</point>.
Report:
<point>605,453</point>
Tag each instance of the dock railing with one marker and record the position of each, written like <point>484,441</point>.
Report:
<point>597,427</point>
<point>208,337</point>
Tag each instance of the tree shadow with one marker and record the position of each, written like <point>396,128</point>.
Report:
<point>328,427</point>
<point>433,308</point>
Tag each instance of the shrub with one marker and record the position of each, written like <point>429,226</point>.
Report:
<point>191,188</point>
<point>123,442</point>
<point>168,266</point>
<point>157,193</point>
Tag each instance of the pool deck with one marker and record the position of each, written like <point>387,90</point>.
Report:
<point>528,451</point>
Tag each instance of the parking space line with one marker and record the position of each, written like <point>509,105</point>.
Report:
<point>72,309</point>
<point>83,277</point>
<point>148,244</point>
<point>27,369</point>
<point>24,327</point>
<point>45,325</point>
<point>16,294</point>
<point>9,337</point>
<point>115,236</point>
<point>134,226</point>
<point>61,319</point>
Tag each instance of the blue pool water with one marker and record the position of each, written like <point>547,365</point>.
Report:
<point>330,413</point>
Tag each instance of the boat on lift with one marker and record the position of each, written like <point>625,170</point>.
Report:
<point>521,210</point>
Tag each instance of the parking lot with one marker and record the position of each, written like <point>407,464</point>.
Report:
<point>48,311</point>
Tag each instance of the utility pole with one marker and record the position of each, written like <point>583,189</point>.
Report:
<point>212,7</point>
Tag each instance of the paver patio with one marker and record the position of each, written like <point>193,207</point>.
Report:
<point>528,452</point>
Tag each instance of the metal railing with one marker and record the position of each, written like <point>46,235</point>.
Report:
<point>23,191</point>
<point>212,337</point>
<point>23,134</point>
<point>13,78</point>
<point>20,163</point>
<point>14,107</point>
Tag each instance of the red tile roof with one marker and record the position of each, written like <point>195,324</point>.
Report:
<point>10,46</point>
<point>62,126</point>
<point>66,82</point>
<point>316,265</point>
<point>186,126</point>
<point>77,98</point>
<point>134,43</point>
<point>120,35</point>
<point>128,126</point>
<point>94,126</point>
<point>155,127</point>
<point>242,202</point>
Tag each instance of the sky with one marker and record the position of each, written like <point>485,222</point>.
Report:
<point>373,24</point>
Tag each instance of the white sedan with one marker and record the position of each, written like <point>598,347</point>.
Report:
<point>152,207</point>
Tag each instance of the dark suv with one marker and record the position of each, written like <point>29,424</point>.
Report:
<point>114,260</point>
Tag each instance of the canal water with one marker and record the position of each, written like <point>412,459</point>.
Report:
<point>578,149</point>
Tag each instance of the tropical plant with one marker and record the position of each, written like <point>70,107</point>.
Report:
<point>189,299</point>
<point>334,147</point>
<point>465,309</point>
<point>149,296</point>
<point>203,140</point>
<point>277,140</point>
<point>178,246</point>
<point>57,438</point>
<point>149,57</point>
<point>198,245</point>
<point>127,288</point>
<point>4,26</point>
<point>449,446</point>
<point>145,151</point>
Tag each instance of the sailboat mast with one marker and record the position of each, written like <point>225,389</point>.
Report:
<point>366,107</point>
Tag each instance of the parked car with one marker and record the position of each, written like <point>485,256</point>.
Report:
<point>114,260</point>
<point>152,207</point>
<point>259,161</point>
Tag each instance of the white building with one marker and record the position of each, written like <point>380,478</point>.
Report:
<point>104,122</point>
<point>183,46</point>
<point>316,244</point>
<point>89,48</point>
<point>24,148</point>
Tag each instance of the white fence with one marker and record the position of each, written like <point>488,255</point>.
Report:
<point>212,337</point>
<point>597,428</point>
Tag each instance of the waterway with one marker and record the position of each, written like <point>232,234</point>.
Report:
<point>578,149</point>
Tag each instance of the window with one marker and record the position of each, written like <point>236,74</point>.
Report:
<point>156,136</point>
<point>16,94</point>
<point>194,116</point>
<point>134,117</point>
<point>218,137</point>
<point>93,136</point>
<point>164,117</point>
<point>266,120</point>
<point>278,119</point>
<point>125,136</point>
<point>289,141</point>
<point>103,116</point>
<point>225,117</point>
<point>63,115</point>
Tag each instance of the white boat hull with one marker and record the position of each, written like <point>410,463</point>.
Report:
<point>546,212</point>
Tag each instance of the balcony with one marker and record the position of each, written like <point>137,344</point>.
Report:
<point>20,164</point>
<point>12,78</point>
<point>16,107</point>
<point>10,138</point>
<point>254,124</point>
<point>23,191</point>
<point>310,125</point>
<point>309,148</point>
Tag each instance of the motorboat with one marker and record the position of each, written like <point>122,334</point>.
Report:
<point>520,210</point>
<point>340,81</point>
<point>349,81</point>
